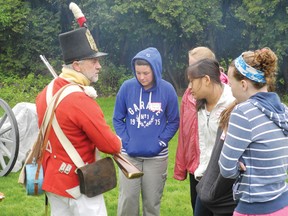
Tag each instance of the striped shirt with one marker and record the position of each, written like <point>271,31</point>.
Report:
<point>256,137</point>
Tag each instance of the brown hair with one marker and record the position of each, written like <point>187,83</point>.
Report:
<point>264,60</point>
<point>141,62</point>
<point>202,68</point>
<point>225,116</point>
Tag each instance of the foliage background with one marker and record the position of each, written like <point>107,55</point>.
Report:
<point>29,28</point>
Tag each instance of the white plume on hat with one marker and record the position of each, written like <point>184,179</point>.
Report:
<point>76,10</point>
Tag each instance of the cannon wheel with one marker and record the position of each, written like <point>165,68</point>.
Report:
<point>9,139</point>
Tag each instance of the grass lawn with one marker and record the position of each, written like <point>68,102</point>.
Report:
<point>175,201</point>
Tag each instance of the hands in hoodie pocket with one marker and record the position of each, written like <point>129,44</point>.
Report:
<point>150,149</point>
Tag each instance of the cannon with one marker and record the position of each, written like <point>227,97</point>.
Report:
<point>9,139</point>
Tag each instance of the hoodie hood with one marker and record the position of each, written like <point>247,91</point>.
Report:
<point>270,104</point>
<point>153,57</point>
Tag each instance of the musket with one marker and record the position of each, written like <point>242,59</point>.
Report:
<point>50,68</point>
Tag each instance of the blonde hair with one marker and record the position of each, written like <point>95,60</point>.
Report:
<point>201,53</point>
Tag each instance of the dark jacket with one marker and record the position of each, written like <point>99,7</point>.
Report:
<point>214,190</point>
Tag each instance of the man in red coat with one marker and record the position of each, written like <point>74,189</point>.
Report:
<point>81,120</point>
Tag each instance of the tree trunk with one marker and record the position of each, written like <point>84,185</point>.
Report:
<point>173,81</point>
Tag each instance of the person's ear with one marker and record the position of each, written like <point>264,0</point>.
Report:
<point>76,66</point>
<point>221,69</point>
<point>244,85</point>
<point>207,80</point>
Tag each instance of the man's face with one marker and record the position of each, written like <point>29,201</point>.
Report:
<point>90,68</point>
<point>144,75</point>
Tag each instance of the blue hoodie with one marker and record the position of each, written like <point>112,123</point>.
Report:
<point>145,132</point>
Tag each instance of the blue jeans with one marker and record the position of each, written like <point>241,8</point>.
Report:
<point>201,210</point>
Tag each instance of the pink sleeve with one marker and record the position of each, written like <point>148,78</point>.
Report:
<point>224,78</point>
<point>180,172</point>
<point>180,168</point>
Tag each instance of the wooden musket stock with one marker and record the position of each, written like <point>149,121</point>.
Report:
<point>128,169</point>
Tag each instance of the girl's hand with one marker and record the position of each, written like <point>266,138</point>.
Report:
<point>242,167</point>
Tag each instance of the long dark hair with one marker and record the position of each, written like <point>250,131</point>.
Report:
<point>202,68</point>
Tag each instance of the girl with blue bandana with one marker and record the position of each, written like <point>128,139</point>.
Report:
<point>255,151</point>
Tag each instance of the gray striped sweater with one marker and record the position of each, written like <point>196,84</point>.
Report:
<point>257,136</point>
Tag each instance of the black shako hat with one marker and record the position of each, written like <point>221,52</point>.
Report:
<point>78,45</point>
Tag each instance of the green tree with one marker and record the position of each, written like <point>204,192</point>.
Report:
<point>27,30</point>
<point>126,27</point>
<point>266,24</point>
<point>13,20</point>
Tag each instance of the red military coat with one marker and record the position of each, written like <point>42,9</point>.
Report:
<point>83,123</point>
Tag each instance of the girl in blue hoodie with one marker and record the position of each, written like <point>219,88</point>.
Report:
<point>146,117</point>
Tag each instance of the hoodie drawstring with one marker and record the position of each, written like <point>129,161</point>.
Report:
<point>140,100</point>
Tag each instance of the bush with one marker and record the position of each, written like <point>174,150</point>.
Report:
<point>110,80</point>
<point>15,89</point>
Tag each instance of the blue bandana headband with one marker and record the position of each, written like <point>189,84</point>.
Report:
<point>248,71</point>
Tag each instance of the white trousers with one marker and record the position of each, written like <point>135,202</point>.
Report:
<point>83,206</point>
<point>150,185</point>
